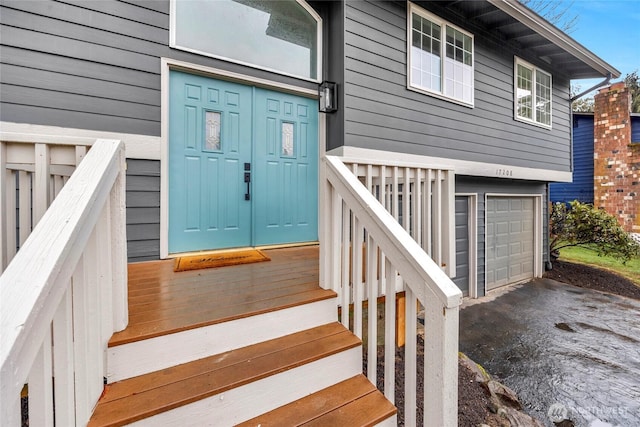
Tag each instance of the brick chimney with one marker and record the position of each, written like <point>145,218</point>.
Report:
<point>616,161</point>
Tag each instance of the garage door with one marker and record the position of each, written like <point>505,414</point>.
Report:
<point>462,244</point>
<point>510,240</point>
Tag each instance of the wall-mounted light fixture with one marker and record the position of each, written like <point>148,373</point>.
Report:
<point>327,91</point>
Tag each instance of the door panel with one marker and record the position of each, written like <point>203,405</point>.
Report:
<point>286,168</point>
<point>207,207</point>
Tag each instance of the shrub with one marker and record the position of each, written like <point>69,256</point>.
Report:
<point>580,224</point>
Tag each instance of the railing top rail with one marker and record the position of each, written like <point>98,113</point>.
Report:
<point>28,300</point>
<point>37,138</point>
<point>394,162</point>
<point>414,265</point>
<point>389,159</point>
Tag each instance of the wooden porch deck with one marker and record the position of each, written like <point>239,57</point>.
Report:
<point>223,345</point>
<point>162,301</point>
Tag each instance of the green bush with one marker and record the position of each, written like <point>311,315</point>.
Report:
<point>580,224</point>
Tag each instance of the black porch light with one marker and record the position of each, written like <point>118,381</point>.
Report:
<point>327,92</point>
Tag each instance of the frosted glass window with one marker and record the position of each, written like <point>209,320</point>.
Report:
<point>281,36</point>
<point>431,40</point>
<point>212,131</point>
<point>532,94</point>
<point>287,139</point>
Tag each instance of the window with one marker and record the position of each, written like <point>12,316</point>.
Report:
<point>440,57</point>
<point>532,94</point>
<point>282,36</point>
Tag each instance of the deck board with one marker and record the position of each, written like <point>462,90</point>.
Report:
<point>162,301</point>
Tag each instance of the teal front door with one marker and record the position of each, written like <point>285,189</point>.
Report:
<point>243,165</point>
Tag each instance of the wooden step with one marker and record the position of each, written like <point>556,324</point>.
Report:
<point>154,354</point>
<point>354,402</point>
<point>178,317</point>
<point>214,380</point>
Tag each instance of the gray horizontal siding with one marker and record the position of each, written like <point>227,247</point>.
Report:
<point>381,113</point>
<point>143,209</point>
<point>482,186</point>
<point>91,64</point>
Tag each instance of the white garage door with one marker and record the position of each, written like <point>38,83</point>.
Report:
<point>510,240</point>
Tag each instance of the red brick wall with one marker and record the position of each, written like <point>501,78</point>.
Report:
<point>616,161</point>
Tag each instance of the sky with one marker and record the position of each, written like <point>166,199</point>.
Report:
<point>611,30</point>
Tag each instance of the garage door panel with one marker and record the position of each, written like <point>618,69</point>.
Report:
<point>510,240</point>
<point>502,251</point>
<point>515,248</point>
<point>502,228</point>
<point>502,205</point>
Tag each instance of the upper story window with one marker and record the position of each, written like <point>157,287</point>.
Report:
<point>440,58</point>
<point>281,36</point>
<point>532,94</point>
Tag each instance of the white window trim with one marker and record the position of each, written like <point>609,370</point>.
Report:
<point>411,8</point>
<point>312,12</point>
<point>518,61</point>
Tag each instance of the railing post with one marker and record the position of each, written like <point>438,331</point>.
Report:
<point>335,212</point>
<point>117,206</point>
<point>436,215</point>
<point>440,365</point>
<point>324,228</point>
<point>41,386</point>
<point>41,182</point>
<point>449,223</point>
<point>4,236</point>
<point>64,362</point>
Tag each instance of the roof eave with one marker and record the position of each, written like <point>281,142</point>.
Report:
<point>538,24</point>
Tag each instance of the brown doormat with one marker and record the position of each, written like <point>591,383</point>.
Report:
<point>221,259</point>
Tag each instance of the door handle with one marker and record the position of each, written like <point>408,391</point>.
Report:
<point>247,179</point>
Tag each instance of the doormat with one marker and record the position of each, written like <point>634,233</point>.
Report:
<point>222,259</point>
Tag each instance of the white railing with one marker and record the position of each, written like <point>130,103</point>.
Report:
<point>64,294</point>
<point>34,170</point>
<point>389,262</point>
<point>428,216</point>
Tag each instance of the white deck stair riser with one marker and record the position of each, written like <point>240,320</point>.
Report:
<point>250,400</point>
<point>141,357</point>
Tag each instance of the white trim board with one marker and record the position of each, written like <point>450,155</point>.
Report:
<point>472,211</point>
<point>167,65</point>
<point>219,73</point>
<point>460,167</point>
<point>136,146</point>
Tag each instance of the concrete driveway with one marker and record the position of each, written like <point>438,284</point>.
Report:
<point>566,351</point>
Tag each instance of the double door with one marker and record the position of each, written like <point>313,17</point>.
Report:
<point>243,165</point>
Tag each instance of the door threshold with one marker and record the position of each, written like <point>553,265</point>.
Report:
<point>244,248</point>
<point>287,245</point>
